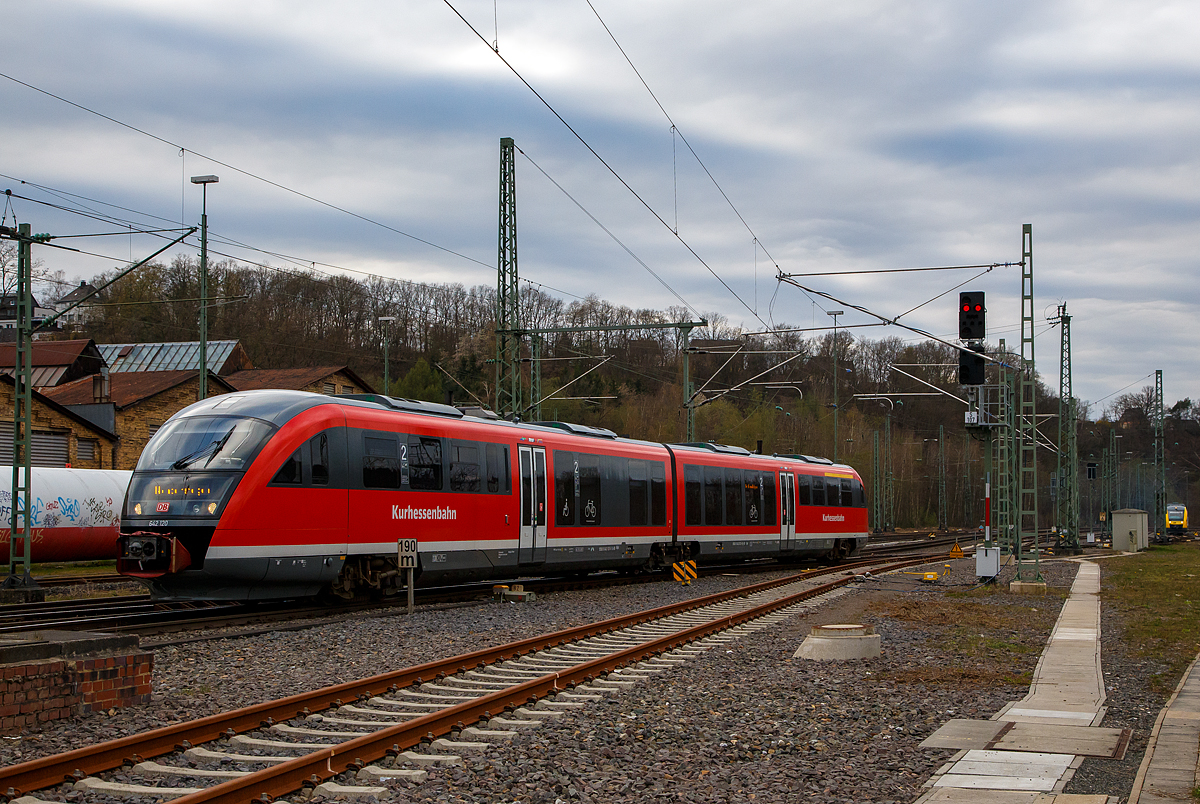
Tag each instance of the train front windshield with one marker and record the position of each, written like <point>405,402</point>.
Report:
<point>204,443</point>
<point>191,467</point>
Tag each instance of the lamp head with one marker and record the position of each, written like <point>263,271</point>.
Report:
<point>204,180</point>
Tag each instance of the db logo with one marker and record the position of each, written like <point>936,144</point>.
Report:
<point>163,507</point>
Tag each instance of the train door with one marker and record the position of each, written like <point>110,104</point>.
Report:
<point>532,545</point>
<point>787,510</point>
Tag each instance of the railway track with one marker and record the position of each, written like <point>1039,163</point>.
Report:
<point>370,728</point>
<point>138,614</point>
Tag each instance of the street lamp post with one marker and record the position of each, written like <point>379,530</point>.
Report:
<point>835,314</point>
<point>204,181</point>
<point>386,320</point>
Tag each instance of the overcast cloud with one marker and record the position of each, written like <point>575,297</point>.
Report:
<point>850,136</point>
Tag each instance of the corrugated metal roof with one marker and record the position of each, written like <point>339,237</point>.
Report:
<point>177,356</point>
<point>41,376</point>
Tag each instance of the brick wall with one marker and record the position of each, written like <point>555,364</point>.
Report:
<point>38,692</point>
<point>342,385</point>
<point>134,423</point>
<point>48,420</point>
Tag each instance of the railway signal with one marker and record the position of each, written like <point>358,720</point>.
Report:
<point>971,312</point>
<point>971,365</point>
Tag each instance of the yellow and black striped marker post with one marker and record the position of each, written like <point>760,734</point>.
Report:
<point>685,572</point>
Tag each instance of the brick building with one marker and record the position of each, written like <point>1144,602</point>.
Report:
<point>137,404</point>
<point>59,437</point>
<point>327,380</point>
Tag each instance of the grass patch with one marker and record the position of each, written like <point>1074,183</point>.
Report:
<point>1157,593</point>
<point>989,639</point>
<point>957,676</point>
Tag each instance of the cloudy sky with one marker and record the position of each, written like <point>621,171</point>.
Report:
<point>849,137</point>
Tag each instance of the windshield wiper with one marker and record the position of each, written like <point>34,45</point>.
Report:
<point>213,447</point>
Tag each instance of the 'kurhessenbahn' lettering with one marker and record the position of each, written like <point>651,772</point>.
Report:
<point>408,512</point>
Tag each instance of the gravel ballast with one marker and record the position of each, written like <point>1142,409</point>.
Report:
<point>747,722</point>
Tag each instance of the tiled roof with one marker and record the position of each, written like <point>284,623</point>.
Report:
<point>128,388</point>
<point>294,379</point>
<point>122,357</point>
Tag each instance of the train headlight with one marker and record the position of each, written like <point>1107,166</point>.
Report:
<point>137,509</point>
<point>212,508</point>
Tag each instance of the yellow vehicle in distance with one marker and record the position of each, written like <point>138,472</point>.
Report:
<point>1177,518</point>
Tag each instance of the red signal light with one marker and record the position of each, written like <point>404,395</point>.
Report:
<point>966,308</point>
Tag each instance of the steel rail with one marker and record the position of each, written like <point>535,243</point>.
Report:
<point>309,770</point>
<point>17,780</point>
<point>46,771</point>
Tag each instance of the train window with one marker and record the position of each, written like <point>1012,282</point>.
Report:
<point>733,496</point>
<point>769,498</point>
<point>499,473</point>
<point>381,463</point>
<point>319,449</point>
<point>693,496</point>
<point>860,496</point>
<point>589,489</point>
<point>847,493</point>
<point>564,487</point>
<point>753,487</point>
<point>614,490</point>
<point>464,467</point>
<point>290,473</point>
<point>425,464</point>
<point>713,478</point>
<point>639,485</point>
<point>803,490</point>
<point>832,487</point>
<point>818,490</point>
<point>658,493</point>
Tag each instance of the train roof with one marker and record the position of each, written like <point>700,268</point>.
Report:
<point>280,406</point>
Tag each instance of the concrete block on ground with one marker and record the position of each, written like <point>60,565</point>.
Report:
<point>840,643</point>
<point>374,773</point>
<point>428,759</point>
<point>156,769</point>
<point>349,790</point>
<point>92,784</point>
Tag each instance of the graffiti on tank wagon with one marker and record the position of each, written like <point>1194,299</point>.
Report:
<point>61,512</point>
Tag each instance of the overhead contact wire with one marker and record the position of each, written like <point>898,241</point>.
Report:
<point>675,129</point>
<point>247,173</point>
<point>607,166</point>
<point>608,232</point>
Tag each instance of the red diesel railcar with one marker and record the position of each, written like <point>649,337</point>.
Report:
<point>276,494</point>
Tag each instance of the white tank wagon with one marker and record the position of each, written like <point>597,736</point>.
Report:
<point>75,516</point>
